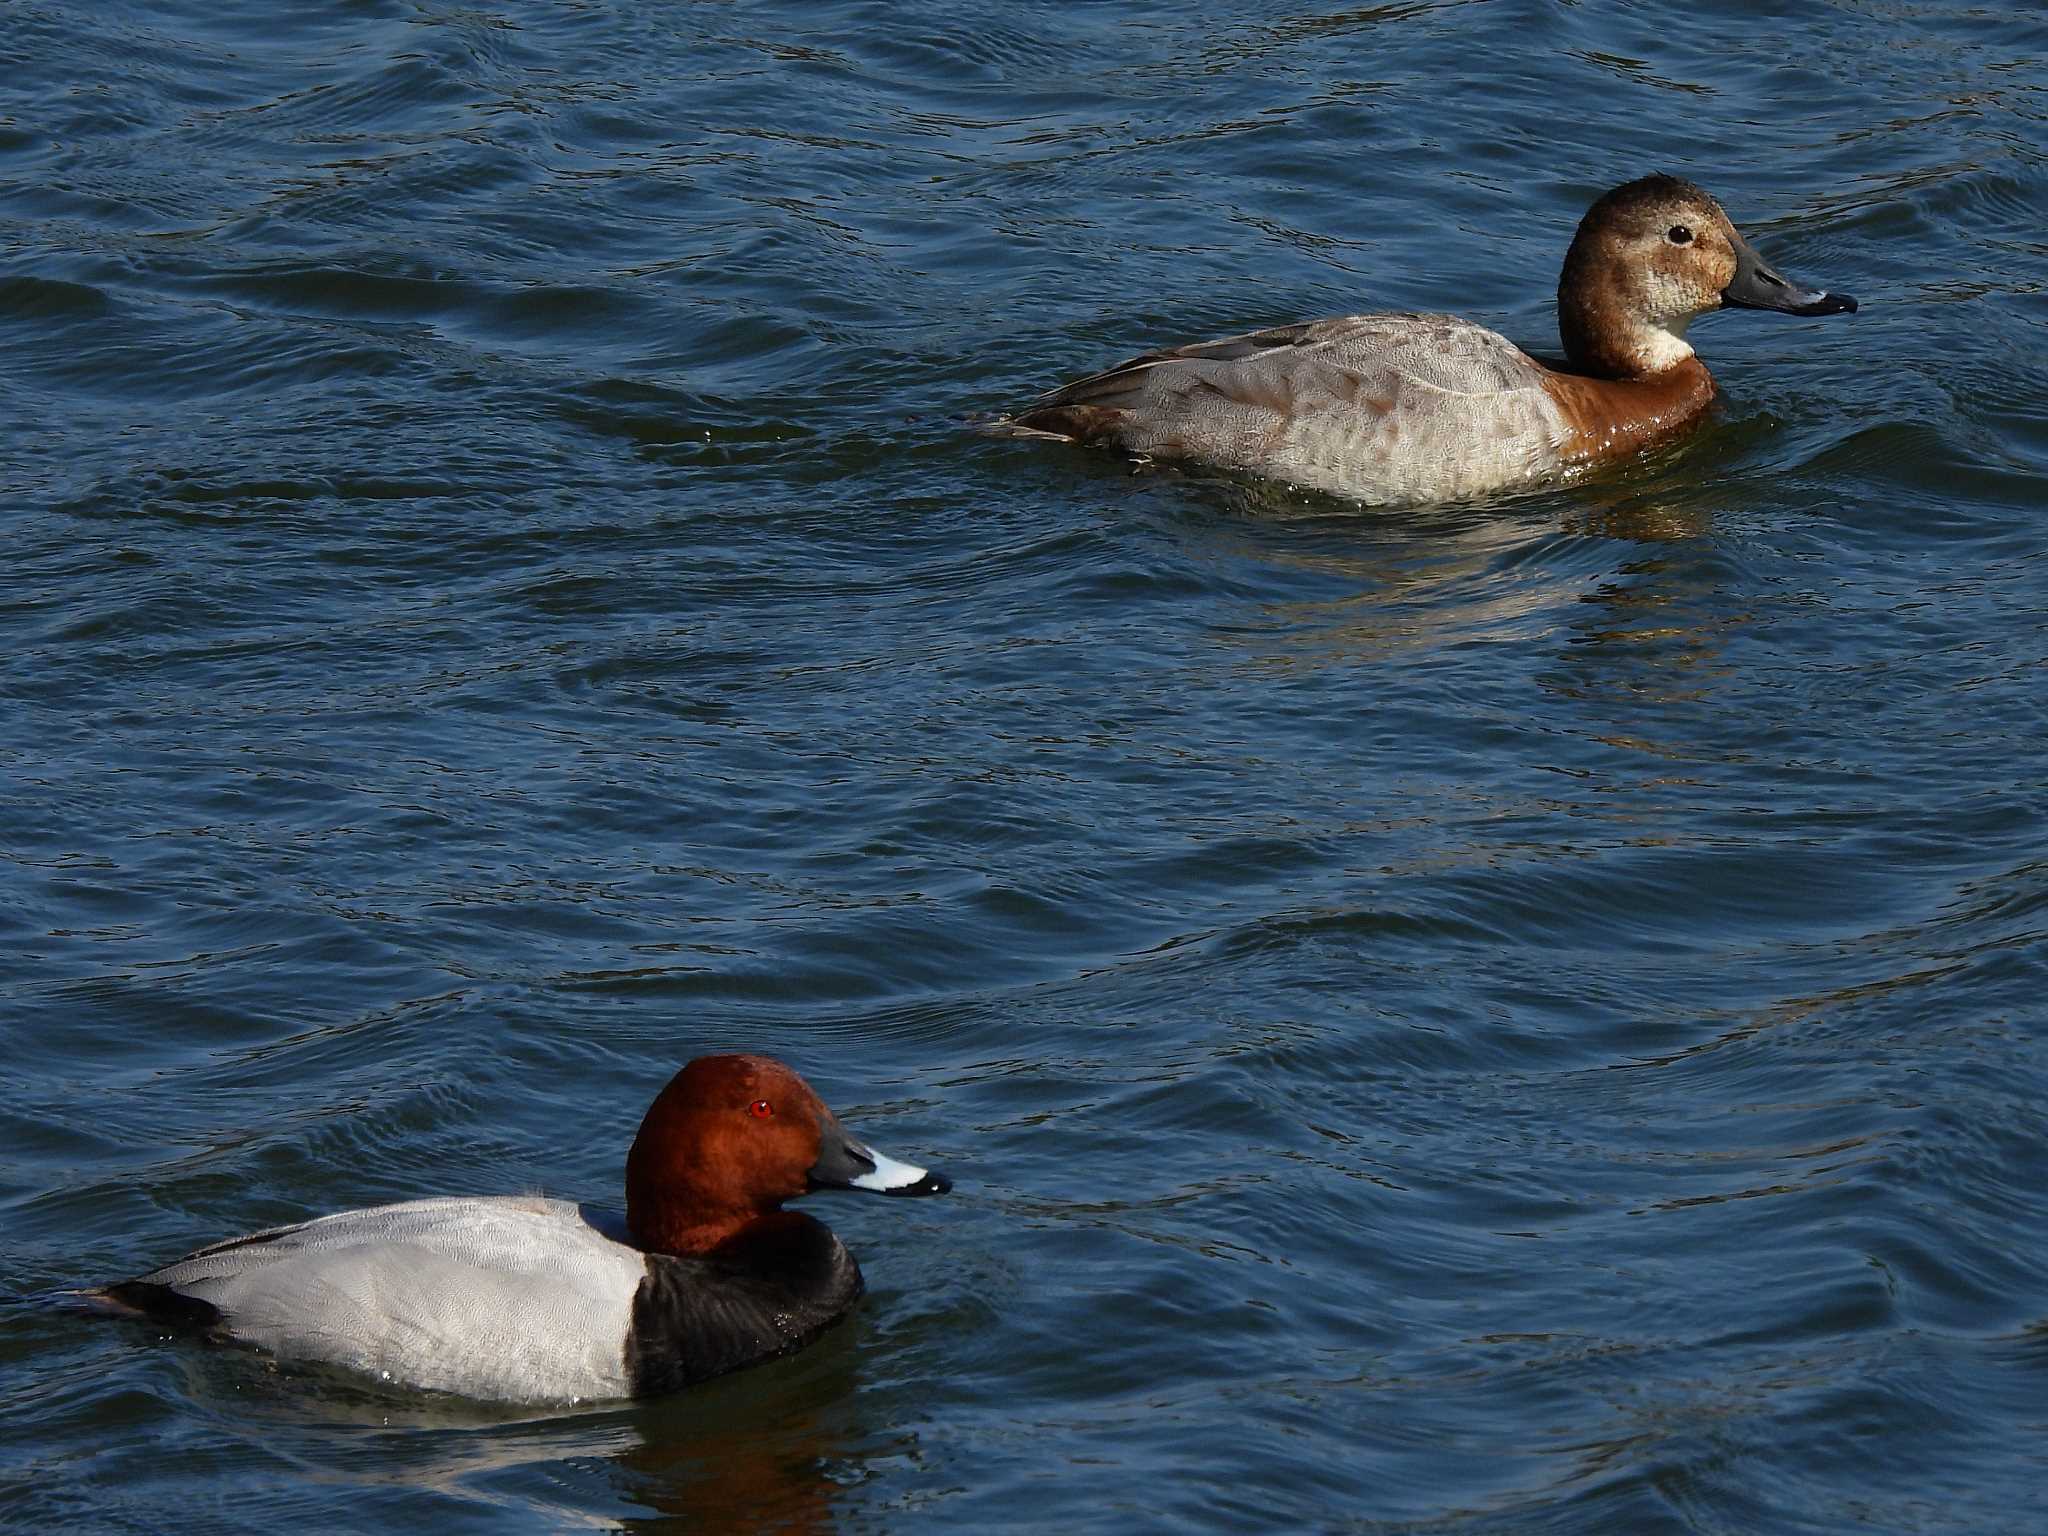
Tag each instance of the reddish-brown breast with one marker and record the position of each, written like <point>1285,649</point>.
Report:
<point>1609,418</point>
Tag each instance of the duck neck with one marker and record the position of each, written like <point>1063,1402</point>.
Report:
<point>734,1234</point>
<point>1599,344</point>
<point>1606,339</point>
<point>669,1220</point>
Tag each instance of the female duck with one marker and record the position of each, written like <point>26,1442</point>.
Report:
<point>1396,408</point>
<point>522,1299</point>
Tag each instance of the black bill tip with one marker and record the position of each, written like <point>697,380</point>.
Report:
<point>930,1184</point>
<point>1788,300</point>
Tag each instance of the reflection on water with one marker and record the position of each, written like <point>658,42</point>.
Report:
<point>755,1454</point>
<point>766,1449</point>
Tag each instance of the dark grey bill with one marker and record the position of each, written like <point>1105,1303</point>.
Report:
<point>844,1163</point>
<point>1756,286</point>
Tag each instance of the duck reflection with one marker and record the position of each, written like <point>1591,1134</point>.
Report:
<point>1533,570</point>
<point>769,1450</point>
<point>766,1449</point>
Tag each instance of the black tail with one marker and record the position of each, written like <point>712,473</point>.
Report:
<point>158,1303</point>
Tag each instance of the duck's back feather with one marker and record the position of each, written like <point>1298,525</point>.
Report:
<point>512,1298</point>
<point>1382,407</point>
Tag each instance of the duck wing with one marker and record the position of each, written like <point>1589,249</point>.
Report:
<point>513,1298</point>
<point>1383,406</point>
<point>510,1298</point>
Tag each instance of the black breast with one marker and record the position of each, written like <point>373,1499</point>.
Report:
<point>768,1292</point>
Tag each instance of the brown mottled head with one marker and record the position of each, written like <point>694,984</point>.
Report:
<point>732,1137</point>
<point>1648,258</point>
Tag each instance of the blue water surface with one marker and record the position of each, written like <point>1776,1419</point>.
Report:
<point>1511,1017</point>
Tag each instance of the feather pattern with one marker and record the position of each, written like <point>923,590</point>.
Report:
<point>513,1298</point>
<point>1381,408</point>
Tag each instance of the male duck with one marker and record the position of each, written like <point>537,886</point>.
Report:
<point>521,1299</point>
<point>1406,408</point>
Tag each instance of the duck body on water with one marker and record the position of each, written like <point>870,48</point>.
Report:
<point>1393,409</point>
<point>521,1299</point>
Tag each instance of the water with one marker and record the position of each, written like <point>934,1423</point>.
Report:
<point>1499,1018</point>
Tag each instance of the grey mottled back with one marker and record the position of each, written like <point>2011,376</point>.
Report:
<point>1383,408</point>
<point>515,1298</point>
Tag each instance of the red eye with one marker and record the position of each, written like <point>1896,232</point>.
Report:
<point>760,1109</point>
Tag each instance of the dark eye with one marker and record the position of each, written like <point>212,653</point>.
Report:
<point>1678,234</point>
<point>760,1109</point>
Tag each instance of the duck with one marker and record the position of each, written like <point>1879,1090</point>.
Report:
<point>523,1299</point>
<point>1417,408</point>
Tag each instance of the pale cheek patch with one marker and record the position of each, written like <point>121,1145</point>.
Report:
<point>1671,298</point>
<point>1667,300</point>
